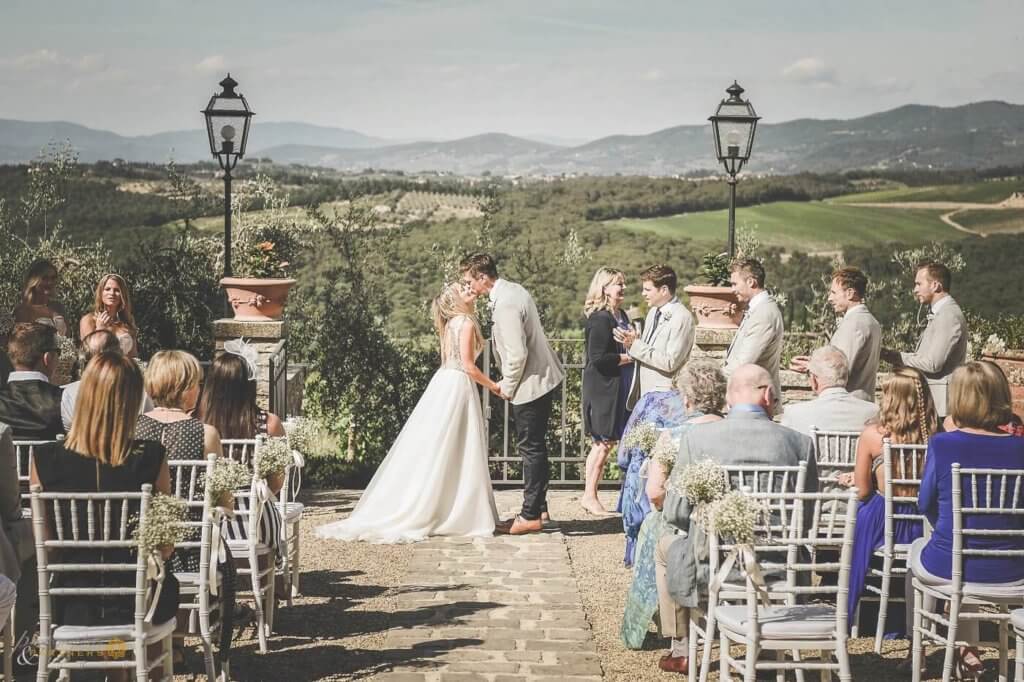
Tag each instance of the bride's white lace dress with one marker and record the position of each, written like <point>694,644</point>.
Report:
<point>435,479</point>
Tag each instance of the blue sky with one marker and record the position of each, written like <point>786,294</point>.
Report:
<point>450,68</point>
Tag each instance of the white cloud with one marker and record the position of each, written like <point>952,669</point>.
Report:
<point>811,71</point>
<point>47,59</point>
<point>653,75</point>
<point>212,64</point>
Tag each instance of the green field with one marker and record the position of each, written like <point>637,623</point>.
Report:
<point>992,221</point>
<point>805,226</point>
<point>975,192</point>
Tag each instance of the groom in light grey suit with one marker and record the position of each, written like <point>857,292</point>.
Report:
<point>667,339</point>
<point>943,344</point>
<point>758,341</point>
<point>530,372</point>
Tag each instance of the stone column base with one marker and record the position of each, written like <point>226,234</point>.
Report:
<point>266,336</point>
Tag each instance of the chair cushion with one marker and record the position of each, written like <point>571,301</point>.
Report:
<point>813,621</point>
<point>1012,592</point>
<point>1017,618</point>
<point>100,634</point>
<point>241,548</point>
<point>188,583</point>
<point>293,511</point>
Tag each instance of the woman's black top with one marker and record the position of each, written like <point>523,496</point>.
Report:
<point>63,470</point>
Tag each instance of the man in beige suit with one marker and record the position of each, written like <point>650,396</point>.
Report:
<point>943,344</point>
<point>667,339</point>
<point>858,335</point>
<point>758,341</point>
<point>530,372</point>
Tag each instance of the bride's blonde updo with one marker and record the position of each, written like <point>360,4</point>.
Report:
<point>448,305</point>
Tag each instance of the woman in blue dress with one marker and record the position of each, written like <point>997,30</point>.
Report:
<point>980,405</point>
<point>702,390</point>
<point>906,417</point>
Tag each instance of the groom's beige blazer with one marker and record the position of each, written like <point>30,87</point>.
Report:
<point>529,366</point>
<point>660,357</point>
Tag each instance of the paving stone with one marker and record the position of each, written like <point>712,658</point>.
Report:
<point>483,667</point>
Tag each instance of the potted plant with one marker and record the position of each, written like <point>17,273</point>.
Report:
<point>275,455</point>
<point>263,256</point>
<point>714,304</point>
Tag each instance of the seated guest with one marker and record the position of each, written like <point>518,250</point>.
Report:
<point>100,341</point>
<point>38,292</point>
<point>980,403</point>
<point>29,403</point>
<point>835,408</point>
<point>907,417</point>
<point>701,387</point>
<point>746,436</point>
<point>112,310</point>
<point>172,380</point>
<point>228,404</point>
<point>101,454</point>
<point>17,545</point>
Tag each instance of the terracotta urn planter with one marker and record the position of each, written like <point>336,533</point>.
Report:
<point>715,307</point>
<point>1011,362</point>
<point>257,299</point>
<point>275,481</point>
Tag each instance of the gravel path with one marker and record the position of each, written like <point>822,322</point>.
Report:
<point>358,600</point>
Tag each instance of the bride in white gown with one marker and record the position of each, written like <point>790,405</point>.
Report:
<point>435,479</point>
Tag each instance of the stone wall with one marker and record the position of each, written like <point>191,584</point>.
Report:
<point>267,337</point>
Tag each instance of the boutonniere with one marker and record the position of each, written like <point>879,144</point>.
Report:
<point>666,315</point>
<point>490,303</point>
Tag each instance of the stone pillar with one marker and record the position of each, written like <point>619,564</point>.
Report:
<point>266,336</point>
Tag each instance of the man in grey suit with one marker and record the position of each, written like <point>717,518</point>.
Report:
<point>667,339</point>
<point>531,371</point>
<point>858,335</point>
<point>835,408</point>
<point>759,339</point>
<point>943,344</point>
<point>746,436</point>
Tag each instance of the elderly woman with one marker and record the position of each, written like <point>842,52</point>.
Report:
<point>701,386</point>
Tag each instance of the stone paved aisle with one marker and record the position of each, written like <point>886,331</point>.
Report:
<point>500,609</point>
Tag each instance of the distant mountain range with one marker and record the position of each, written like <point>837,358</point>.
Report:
<point>978,135</point>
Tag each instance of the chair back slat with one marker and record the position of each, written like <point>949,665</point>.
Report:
<point>836,453</point>
<point>996,496</point>
<point>240,449</point>
<point>24,454</point>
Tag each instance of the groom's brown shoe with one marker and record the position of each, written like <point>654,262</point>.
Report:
<point>521,526</point>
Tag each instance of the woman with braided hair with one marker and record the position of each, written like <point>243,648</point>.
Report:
<point>906,417</point>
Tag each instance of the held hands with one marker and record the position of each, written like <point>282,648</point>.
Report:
<point>624,336</point>
<point>495,388</point>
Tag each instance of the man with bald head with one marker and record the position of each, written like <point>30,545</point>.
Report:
<point>746,436</point>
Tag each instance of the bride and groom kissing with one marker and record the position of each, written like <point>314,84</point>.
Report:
<point>435,479</point>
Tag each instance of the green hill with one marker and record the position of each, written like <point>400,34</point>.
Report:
<point>805,226</point>
<point>989,192</point>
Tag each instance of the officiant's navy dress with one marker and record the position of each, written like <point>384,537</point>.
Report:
<point>605,382</point>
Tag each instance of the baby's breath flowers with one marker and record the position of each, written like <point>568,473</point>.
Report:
<point>275,456</point>
<point>227,477</point>
<point>643,436</point>
<point>665,450</point>
<point>736,516</point>
<point>164,524</point>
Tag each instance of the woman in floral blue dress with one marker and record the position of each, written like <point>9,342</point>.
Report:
<point>702,390</point>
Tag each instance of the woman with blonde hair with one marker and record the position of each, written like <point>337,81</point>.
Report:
<point>37,297</point>
<point>607,376</point>
<point>112,310</point>
<point>435,479</point>
<point>102,454</point>
<point>906,416</point>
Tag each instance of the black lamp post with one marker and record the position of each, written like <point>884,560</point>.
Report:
<point>733,125</point>
<point>225,114</point>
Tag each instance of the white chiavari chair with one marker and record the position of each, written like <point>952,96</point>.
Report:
<point>91,522</point>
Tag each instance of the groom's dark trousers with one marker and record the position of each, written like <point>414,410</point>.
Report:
<point>531,421</point>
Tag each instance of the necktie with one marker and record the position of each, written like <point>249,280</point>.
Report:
<point>654,325</point>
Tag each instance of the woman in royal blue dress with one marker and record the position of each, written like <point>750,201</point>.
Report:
<point>980,405</point>
<point>607,376</point>
<point>906,417</point>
